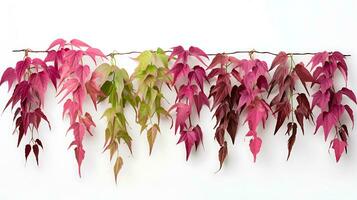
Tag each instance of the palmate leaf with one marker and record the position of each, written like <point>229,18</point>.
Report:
<point>151,74</point>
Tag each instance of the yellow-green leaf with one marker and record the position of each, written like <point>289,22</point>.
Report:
<point>117,166</point>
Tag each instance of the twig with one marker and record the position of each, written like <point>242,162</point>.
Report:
<point>209,54</point>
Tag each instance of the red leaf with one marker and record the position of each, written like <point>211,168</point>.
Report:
<point>349,93</point>
<point>35,151</point>
<point>327,120</point>
<point>200,100</point>
<point>60,42</point>
<point>197,129</point>
<point>199,75</point>
<point>79,152</point>
<point>93,52</point>
<point>93,89</point>
<point>338,147</point>
<point>176,51</point>
<point>70,85</point>
<point>190,138</point>
<point>182,113</point>
<point>198,53</point>
<point>280,59</point>
<point>78,43</point>
<point>39,143</point>
<point>255,144</point>
<point>179,70</point>
<point>350,113</point>
<point>27,151</point>
<point>232,125</point>
<point>21,67</point>
<point>303,73</point>
<point>291,140</point>
<point>9,75</point>
<point>219,59</point>
<point>283,110</point>
<point>318,58</point>
<point>222,154</point>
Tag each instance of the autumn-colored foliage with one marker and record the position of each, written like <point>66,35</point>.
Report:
<point>31,78</point>
<point>188,82</point>
<point>151,74</point>
<point>75,79</point>
<point>329,99</point>
<point>118,89</point>
<point>240,88</point>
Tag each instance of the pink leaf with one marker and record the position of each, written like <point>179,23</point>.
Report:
<point>70,85</point>
<point>9,75</point>
<point>338,147</point>
<point>254,145</point>
<point>21,67</point>
<point>327,120</point>
<point>79,152</point>
<point>176,51</point>
<point>198,53</point>
<point>190,138</point>
<point>280,59</point>
<point>349,93</point>
<point>350,113</point>
<point>182,113</point>
<point>318,58</point>
<point>93,52</point>
<point>198,74</point>
<point>200,100</point>
<point>179,70</point>
<point>60,42</point>
<point>79,43</point>
<point>93,89</point>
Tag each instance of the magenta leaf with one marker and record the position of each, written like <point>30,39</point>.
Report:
<point>254,145</point>
<point>349,93</point>
<point>338,146</point>
<point>9,75</point>
<point>190,138</point>
<point>60,42</point>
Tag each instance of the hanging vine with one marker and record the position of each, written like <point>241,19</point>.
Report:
<point>31,78</point>
<point>75,79</point>
<point>118,89</point>
<point>188,82</point>
<point>151,74</point>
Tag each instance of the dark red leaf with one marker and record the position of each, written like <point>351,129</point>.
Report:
<point>27,150</point>
<point>222,154</point>
<point>291,140</point>
<point>35,151</point>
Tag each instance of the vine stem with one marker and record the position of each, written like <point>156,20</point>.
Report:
<point>208,54</point>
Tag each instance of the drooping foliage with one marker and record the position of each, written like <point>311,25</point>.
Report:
<point>31,78</point>
<point>231,99</point>
<point>329,99</point>
<point>72,60</point>
<point>188,81</point>
<point>118,89</point>
<point>297,93</point>
<point>151,74</point>
<point>284,78</point>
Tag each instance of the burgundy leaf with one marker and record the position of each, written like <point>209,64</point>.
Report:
<point>27,150</point>
<point>35,152</point>
<point>222,154</point>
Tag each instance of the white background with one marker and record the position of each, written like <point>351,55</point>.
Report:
<point>214,26</point>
